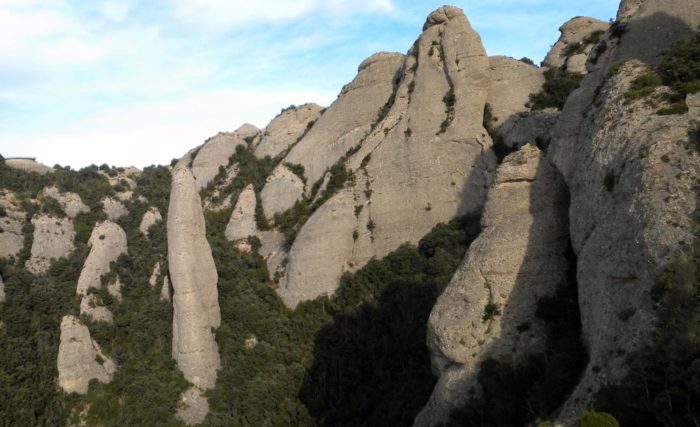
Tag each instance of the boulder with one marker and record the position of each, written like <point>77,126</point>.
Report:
<point>80,359</point>
<point>216,152</point>
<point>242,223</point>
<point>282,190</point>
<point>71,203</point>
<point>510,84</point>
<point>113,208</point>
<point>151,217</point>
<point>432,140</point>
<point>194,280</point>
<point>53,239</point>
<point>107,242</point>
<point>518,258</point>
<point>286,129</point>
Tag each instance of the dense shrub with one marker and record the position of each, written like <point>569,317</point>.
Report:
<point>557,87</point>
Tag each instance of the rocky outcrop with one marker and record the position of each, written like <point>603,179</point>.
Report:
<point>348,120</point>
<point>71,203</point>
<point>242,223</point>
<point>151,217</point>
<point>578,37</point>
<point>107,242</point>
<point>155,275</point>
<point>524,128</point>
<point>165,291</point>
<point>115,289</point>
<point>113,208</point>
<point>93,307</point>
<point>286,129</point>
<point>195,295</point>
<point>518,258</point>
<point>432,140</point>
<point>11,223</point>
<point>510,84</point>
<point>53,239</point>
<point>28,165</point>
<point>80,359</point>
<point>282,190</point>
<point>216,152</point>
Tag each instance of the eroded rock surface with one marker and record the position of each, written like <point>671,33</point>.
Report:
<point>11,237</point>
<point>107,242</point>
<point>216,152</point>
<point>53,239</point>
<point>510,85</point>
<point>242,223</point>
<point>282,190</point>
<point>518,258</point>
<point>578,36</point>
<point>80,359</point>
<point>113,208</point>
<point>71,203</point>
<point>286,129</point>
<point>151,217</point>
<point>195,295</point>
<point>29,165</point>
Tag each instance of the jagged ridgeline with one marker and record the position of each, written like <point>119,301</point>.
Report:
<point>457,240</point>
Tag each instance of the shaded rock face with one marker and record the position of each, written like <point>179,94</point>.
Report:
<point>11,237</point>
<point>286,129</point>
<point>523,128</point>
<point>282,190</point>
<point>574,45</point>
<point>348,120</point>
<point>107,242</point>
<point>151,217</point>
<point>216,152</point>
<point>242,223</point>
<point>432,141</point>
<point>80,359</point>
<point>28,165</point>
<point>71,203</point>
<point>195,295</point>
<point>53,239</point>
<point>114,209</point>
<point>632,203</point>
<point>518,258</point>
<point>510,84</point>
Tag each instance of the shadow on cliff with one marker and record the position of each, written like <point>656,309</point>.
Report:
<point>371,364</point>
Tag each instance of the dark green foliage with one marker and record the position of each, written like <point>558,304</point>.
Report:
<point>609,181</point>
<point>527,61</point>
<point>260,218</point>
<point>488,118</point>
<point>51,207</point>
<point>449,100</point>
<point>643,86</point>
<point>297,170</point>
<point>518,395</point>
<point>662,386</point>
<point>557,87</point>
<point>491,310</point>
<point>598,419</point>
<point>382,113</point>
<point>617,29</point>
<point>599,50</point>
<point>676,108</point>
<point>680,66</point>
<point>593,38</point>
<point>693,137</point>
<point>574,49</point>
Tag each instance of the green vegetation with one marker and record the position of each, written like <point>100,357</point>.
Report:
<point>574,49</point>
<point>557,87</point>
<point>490,311</point>
<point>661,387</point>
<point>643,86</point>
<point>598,419</point>
<point>449,100</point>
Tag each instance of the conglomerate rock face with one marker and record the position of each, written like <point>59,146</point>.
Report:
<point>195,295</point>
<point>53,239</point>
<point>107,242</point>
<point>216,152</point>
<point>11,223</point>
<point>510,84</point>
<point>518,258</point>
<point>426,161</point>
<point>286,129</point>
<point>80,358</point>
<point>71,203</point>
<point>578,37</point>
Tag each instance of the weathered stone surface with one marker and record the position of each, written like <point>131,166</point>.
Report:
<point>193,407</point>
<point>155,275</point>
<point>518,258</point>
<point>11,237</point>
<point>126,175</point>
<point>216,201</point>
<point>165,290</point>
<point>107,242</point>
<point>523,128</point>
<point>216,152</point>
<point>286,129</point>
<point>282,190</point>
<point>510,84</point>
<point>194,280</point>
<point>242,223</point>
<point>573,33</point>
<point>93,307</point>
<point>28,165</point>
<point>115,289</point>
<point>53,239</point>
<point>80,359</point>
<point>447,167</point>
<point>348,120</point>
<point>113,208</point>
<point>151,217</point>
<point>71,203</point>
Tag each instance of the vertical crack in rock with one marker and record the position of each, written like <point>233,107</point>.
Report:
<point>195,294</point>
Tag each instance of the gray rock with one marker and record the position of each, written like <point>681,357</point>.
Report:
<point>80,359</point>
<point>510,84</point>
<point>216,152</point>
<point>282,190</point>
<point>194,280</point>
<point>518,258</point>
<point>11,237</point>
<point>165,291</point>
<point>242,222</point>
<point>151,217</point>
<point>286,129</point>
<point>92,306</point>
<point>448,170</point>
<point>53,239</point>
<point>113,208</point>
<point>523,128</point>
<point>155,275</point>
<point>574,32</point>
<point>29,165</point>
<point>193,407</point>
<point>115,289</point>
<point>71,203</point>
<point>107,242</point>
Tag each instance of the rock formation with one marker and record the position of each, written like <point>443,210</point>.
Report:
<point>53,239</point>
<point>216,152</point>
<point>286,129</point>
<point>242,223</point>
<point>115,289</point>
<point>11,223</point>
<point>151,217</point>
<point>155,275</point>
<point>113,208</point>
<point>93,307</point>
<point>282,190</point>
<point>107,242</point>
<point>71,203</point>
<point>165,290</point>
<point>510,84</point>
<point>431,140</point>
<point>195,295</point>
<point>518,258</point>
<point>80,359</point>
<point>578,37</point>
<point>29,165</point>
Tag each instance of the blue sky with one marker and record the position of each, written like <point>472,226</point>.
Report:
<point>129,82</point>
